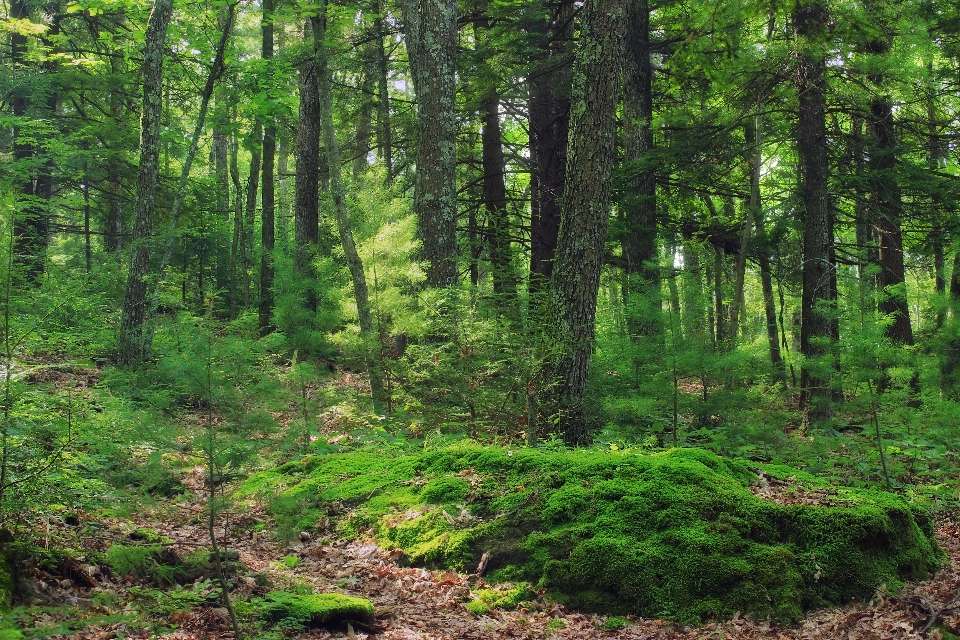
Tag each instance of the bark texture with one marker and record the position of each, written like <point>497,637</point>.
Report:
<point>432,45</point>
<point>640,206</point>
<point>549,130</point>
<point>818,325</point>
<point>306,194</point>
<point>583,231</point>
<point>133,312</point>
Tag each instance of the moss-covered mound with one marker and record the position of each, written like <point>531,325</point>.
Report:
<point>315,608</point>
<point>676,534</point>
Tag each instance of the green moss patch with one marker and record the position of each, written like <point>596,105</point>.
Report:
<point>315,609</point>
<point>503,597</point>
<point>676,534</point>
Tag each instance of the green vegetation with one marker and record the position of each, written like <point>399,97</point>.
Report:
<point>504,597</point>
<point>314,608</point>
<point>676,534</point>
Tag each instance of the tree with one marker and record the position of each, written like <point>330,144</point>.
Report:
<point>131,346</point>
<point>583,229</point>
<point>431,39</point>
<point>818,329</point>
<point>306,199</point>
<point>368,332</point>
<point>267,188</point>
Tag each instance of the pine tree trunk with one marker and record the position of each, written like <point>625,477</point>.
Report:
<point>549,133</point>
<point>818,327</point>
<point>368,332</point>
<point>306,198</point>
<point>133,312</point>
<point>640,206</point>
<point>580,247</point>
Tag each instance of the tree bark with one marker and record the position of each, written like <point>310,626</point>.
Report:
<point>306,198</point>
<point>580,247</point>
<point>432,43</point>
<point>818,325</point>
<point>640,207</point>
<point>133,312</point>
<point>549,125</point>
<point>495,202</point>
<point>368,332</point>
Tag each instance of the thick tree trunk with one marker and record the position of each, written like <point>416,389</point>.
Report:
<point>432,44</point>
<point>640,207</point>
<point>267,190</point>
<point>368,332</point>
<point>306,198</point>
<point>818,328</point>
<point>133,312</point>
<point>580,247</point>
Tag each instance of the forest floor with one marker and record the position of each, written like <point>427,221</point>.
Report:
<point>411,603</point>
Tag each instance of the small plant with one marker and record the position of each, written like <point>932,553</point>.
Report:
<point>615,623</point>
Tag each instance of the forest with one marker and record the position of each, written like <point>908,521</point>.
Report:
<point>480,319</point>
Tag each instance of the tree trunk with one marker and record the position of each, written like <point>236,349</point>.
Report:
<point>133,312</point>
<point>640,207</point>
<point>580,247</point>
<point>818,326</point>
<point>306,198</point>
<point>255,147</point>
<point>237,242</point>
<point>549,132</point>
<point>432,44</point>
<point>368,332</point>
<point>495,201</point>
<point>267,190</point>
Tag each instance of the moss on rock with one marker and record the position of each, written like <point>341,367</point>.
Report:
<point>315,608</point>
<point>676,534</point>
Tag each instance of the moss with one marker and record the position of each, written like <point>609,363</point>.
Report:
<point>507,597</point>
<point>676,534</point>
<point>315,609</point>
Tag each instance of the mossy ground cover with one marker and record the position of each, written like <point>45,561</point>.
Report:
<point>675,534</point>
